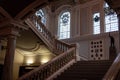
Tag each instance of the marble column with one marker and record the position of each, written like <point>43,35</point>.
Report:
<point>9,57</point>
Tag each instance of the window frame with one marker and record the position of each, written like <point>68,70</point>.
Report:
<point>96,26</point>
<point>109,23</point>
<point>65,32</point>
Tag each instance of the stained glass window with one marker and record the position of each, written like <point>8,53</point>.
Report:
<point>96,23</point>
<point>41,15</point>
<point>64,25</point>
<point>111,21</point>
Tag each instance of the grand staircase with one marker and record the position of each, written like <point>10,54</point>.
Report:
<point>81,70</point>
<point>85,70</point>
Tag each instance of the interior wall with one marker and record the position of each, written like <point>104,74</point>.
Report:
<point>82,26</point>
<point>51,22</point>
<point>84,43</point>
<point>2,56</point>
<point>3,51</point>
<point>86,18</point>
<point>84,22</point>
<point>75,21</point>
<point>81,17</point>
<point>84,49</point>
<point>37,60</point>
<point>18,61</point>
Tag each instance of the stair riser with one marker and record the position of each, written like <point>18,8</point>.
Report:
<point>85,70</point>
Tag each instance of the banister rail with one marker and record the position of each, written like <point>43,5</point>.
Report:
<point>39,28</point>
<point>62,46</point>
<point>46,70</point>
<point>113,70</point>
<point>42,29</point>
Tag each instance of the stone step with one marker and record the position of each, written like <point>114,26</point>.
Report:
<point>85,70</point>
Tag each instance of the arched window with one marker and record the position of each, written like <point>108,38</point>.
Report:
<point>41,14</point>
<point>64,25</point>
<point>111,21</point>
<point>96,23</point>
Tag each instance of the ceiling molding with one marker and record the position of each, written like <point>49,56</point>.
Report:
<point>7,22</point>
<point>19,24</point>
<point>34,48</point>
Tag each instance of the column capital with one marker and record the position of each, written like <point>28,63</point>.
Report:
<point>11,26</point>
<point>9,30</point>
<point>13,22</point>
<point>11,36</point>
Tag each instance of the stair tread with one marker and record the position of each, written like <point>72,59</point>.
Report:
<point>85,70</point>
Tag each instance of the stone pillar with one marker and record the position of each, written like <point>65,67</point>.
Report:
<point>119,29</point>
<point>9,57</point>
<point>0,45</point>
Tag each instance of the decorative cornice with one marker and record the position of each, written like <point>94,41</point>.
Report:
<point>90,37</point>
<point>6,31</point>
<point>35,48</point>
<point>11,27</point>
<point>14,23</point>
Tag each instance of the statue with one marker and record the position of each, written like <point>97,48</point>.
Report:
<point>112,41</point>
<point>112,49</point>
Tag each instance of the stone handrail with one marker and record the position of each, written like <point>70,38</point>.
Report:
<point>62,46</point>
<point>46,70</point>
<point>42,29</point>
<point>113,70</point>
<point>56,46</point>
